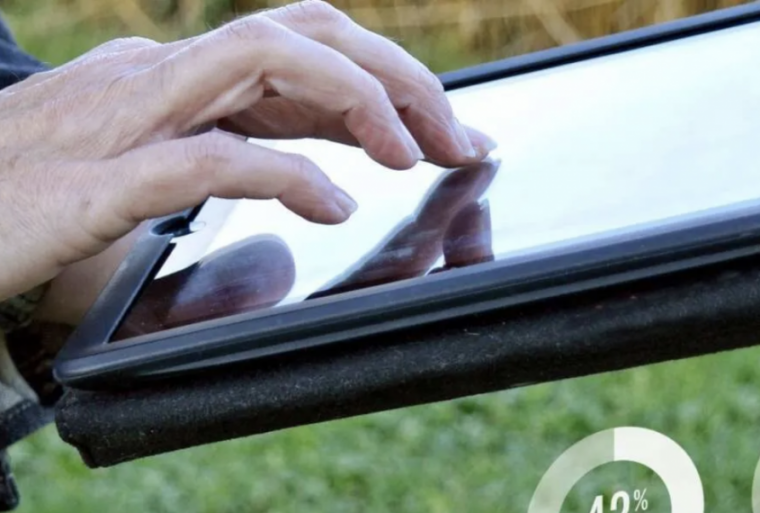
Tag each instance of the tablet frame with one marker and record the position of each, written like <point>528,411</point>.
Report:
<point>89,361</point>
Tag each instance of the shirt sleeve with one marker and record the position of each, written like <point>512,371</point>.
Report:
<point>15,65</point>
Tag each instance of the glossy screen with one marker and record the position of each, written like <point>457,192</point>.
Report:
<point>586,150</point>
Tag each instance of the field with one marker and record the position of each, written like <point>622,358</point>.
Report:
<point>482,454</point>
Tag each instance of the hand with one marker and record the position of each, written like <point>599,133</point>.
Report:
<point>135,130</point>
<point>260,271</point>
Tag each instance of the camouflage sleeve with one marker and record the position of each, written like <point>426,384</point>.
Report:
<point>16,312</point>
<point>22,409</point>
<point>29,346</point>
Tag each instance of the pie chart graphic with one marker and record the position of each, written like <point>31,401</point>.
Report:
<point>756,490</point>
<point>630,444</point>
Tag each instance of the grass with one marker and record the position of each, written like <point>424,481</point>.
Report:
<point>482,454</point>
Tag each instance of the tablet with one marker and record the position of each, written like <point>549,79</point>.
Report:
<point>618,160</point>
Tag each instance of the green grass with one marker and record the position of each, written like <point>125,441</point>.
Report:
<point>483,454</point>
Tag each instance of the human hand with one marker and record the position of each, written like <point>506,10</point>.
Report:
<point>125,133</point>
<point>260,271</point>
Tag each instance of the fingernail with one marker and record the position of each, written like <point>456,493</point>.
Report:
<point>463,140</point>
<point>487,145</point>
<point>481,141</point>
<point>344,202</point>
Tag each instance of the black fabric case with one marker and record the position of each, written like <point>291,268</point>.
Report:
<point>683,315</point>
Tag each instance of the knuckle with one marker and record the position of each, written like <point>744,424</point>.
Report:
<point>115,59</point>
<point>302,169</point>
<point>205,153</point>
<point>429,81</point>
<point>375,89</point>
<point>250,28</point>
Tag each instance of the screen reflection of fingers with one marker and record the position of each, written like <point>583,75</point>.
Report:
<point>251,274</point>
<point>416,244</point>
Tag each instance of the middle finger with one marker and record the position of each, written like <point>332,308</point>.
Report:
<point>248,57</point>
<point>414,91</point>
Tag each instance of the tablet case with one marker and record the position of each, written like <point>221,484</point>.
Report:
<point>692,313</point>
<point>686,314</point>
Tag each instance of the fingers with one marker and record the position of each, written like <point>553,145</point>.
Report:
<point>281,118</point>
<point>169,177</point>
<point>385,78</point>
<point>247,57</point>
<point>414,91</point>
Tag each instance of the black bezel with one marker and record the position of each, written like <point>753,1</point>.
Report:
<point>89,361</point>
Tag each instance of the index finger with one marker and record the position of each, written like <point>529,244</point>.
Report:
<point>229,69</point>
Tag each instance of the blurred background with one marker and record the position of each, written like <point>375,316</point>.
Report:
<point>482,454</point>
<point>446,34</point>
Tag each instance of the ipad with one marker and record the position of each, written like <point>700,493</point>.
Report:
<point>618,160</point>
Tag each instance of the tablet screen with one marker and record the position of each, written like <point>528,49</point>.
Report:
<point>586,150</point>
